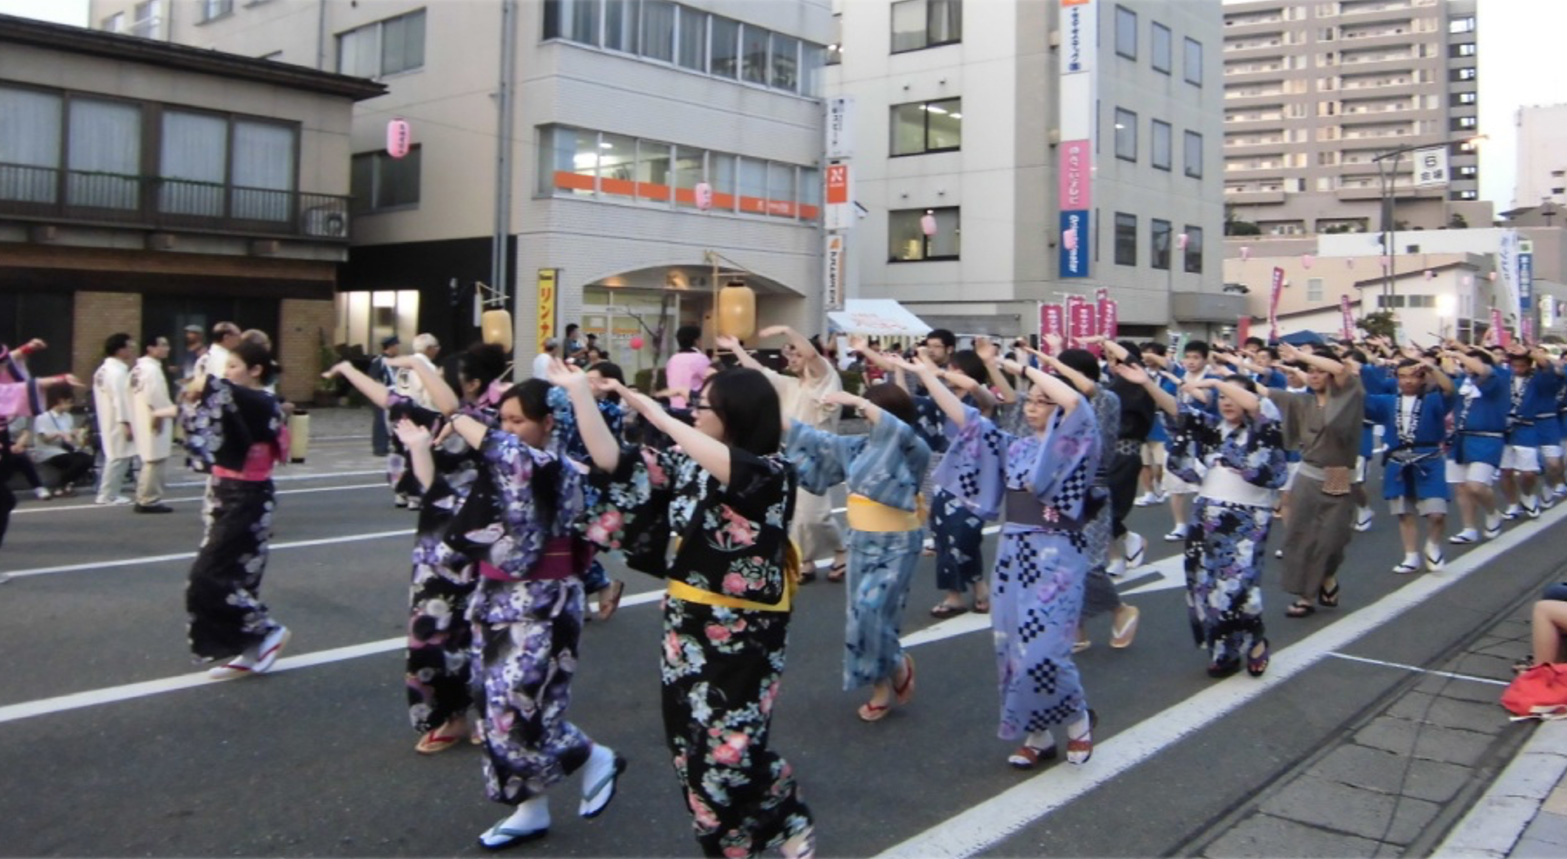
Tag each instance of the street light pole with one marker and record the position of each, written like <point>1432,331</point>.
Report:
<point>1388,173</point>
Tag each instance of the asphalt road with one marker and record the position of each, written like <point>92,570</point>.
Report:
<point>113,744</point>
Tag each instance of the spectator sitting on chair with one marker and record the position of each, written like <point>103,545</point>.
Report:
<point>14,441</point>
<point>58,442</point>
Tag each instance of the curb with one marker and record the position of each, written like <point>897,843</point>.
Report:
<point>1494,825</point>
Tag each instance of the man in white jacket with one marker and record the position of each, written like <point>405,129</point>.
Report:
<point>407,383</point>
<point>112,400</point>
<point>152,413</point>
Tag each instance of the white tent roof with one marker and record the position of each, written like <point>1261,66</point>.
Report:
<point>876,317</point>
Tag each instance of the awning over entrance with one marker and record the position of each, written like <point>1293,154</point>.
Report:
<point>876,317</point>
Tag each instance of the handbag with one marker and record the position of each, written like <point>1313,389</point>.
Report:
<point>1538,693</point>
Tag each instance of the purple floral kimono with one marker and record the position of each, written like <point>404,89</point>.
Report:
<point>1043,558</point>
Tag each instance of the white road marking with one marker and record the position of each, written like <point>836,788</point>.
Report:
<point>1418,670</point>
<point>185,556</point>
<point>985,824</point>
<point>60,508</point>
<point>284,478</point>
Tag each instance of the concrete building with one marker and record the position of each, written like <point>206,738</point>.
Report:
<point>557,146</point>
<point>145,187</point>
<point>1008,121</point>
<point>1542,155</point>
<point>1314,91</point>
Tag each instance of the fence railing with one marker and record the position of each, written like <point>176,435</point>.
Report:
<point>160,202</point>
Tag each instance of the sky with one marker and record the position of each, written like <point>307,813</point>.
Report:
<point>1520,41</point>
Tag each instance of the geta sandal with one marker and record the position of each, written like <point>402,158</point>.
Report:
<point>944,610</point>
<point>1300,608</point>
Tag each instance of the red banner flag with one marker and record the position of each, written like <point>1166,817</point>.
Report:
<point>1243,329</point>
<point>1110,318</point>
<point>1349,319</point>
<point>1052,320</point>
<point>1080,321</point>
<point>1498,333</point>
<point>1273,303</point>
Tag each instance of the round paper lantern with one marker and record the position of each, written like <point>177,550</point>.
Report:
<point>496,329</point>
<point>636,343</point>
<point>1245,252</point>
<point>736,311</point>
<point>397,135</point>
<point>1306,260</point>
<point>928,223</point>
<point>1430,275</point>
<point>704,196</point>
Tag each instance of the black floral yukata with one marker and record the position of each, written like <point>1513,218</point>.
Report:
<point>721,666</point>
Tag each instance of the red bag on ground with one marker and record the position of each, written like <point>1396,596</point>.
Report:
<point>1539,693</point>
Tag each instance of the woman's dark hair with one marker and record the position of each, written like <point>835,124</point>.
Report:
<point>482,363</point>
<point>533,397</point>
<point>893,400</point>
<point>968,362</point>
<point>747,404</point>
<point>253,354</point>
<point>1081,360</point>
<point>1242,381</point>
<point>1134,352</point>
<point>58,393</point>
<point>686,337</point>
<point>609,371</point>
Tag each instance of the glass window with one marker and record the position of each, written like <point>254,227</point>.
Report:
<point>810,193</point>
<point>1126,32</point>
<point>1161,144</point>
<point>753,54</point>
<point>617,165</point>
<point>721,175</point>
<point>103,154</point>
<point>381,182</point>
<point>1461,25</point>
<point>908,25</point>
<point>1193,155</point>
<point>30,138</point>
<point>574,162</point>
<point>1160,48</point>
<point>1159,244</point>
<point>786,63</point>
<point>780,190</point>
<point>907,241</point>
<point>812,59</point>
<point>114,23</point>
<point>927,126</point>
<point>192,163</point>
<point>692,51</point>
<point>658,30</point>
<point>358,53</point>
<point>215,8</point>
<point>1125,135</point>
<point>620,25</point>
<point>262,170</point>
<point>577,20</point>
<point>753,186</point>
<point>146,18</point>
<point>402,43</point>
<point>1192,64</point>
<point>1193,249</point>
<point>1464,74</point>
<point>945,23</point>
<point>1314,289</point>
<point>687,173</point>
<point>835,50</point>
<point>725,47</point>
<point>653,172</point>
<point>1125,239</point>
<point>925,23</point>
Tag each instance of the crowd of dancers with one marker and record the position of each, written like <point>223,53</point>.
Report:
<point>721,491</point>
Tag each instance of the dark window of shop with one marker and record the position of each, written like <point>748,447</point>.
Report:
<point>45,315</point>
<point>1193,249</point>
<point>167,316</point>
<point>1159,244</point>
<point>1125,239</point>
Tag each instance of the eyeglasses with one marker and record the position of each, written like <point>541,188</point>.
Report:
<point>701,407</point>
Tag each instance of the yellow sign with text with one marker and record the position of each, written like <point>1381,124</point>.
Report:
<point>548,285</point>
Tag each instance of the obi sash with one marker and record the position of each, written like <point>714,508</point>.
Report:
<point>873,516</point>
<point>562,559</point>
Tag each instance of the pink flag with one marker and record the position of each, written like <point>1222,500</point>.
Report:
<point>1051,321</point>
<point>1243,329</point>
<point>1273,303</point>
<point>1349,319</point>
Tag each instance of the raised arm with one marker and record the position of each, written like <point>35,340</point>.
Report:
<point>441,394</point>
<point>417,440</point>
<point>374,391</point>
<point>596,436</point>
<point>870,410</point>
<point>1082,383</point>
<point>945,400</point>
<point>815,365</point>
<point>990,354</point>
<point>1063,393</point>
<point>1339,370</point>
<point>1248,401</point>
<point>732,345</point>
<point>1161,398</point>
<point>708,452</point>
<point>1436,377</point>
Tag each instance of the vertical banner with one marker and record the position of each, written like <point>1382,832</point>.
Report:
<point>1273,303</point>
<point>1076,106</point>
<point>1080,316</point>
<point>1526,290</point>
<point>834,261</point>
<point>1073,302</point>
<point>1074,244</point>
<point>1101,298</point>
<point>1243,328</point>
<point>1349,319</point>
<point>1109,318</point>
<point>1052,320</point>
<point>547,290</point>
<point>839,213</point>
<point>1498,334</point>
<point>840,127</point>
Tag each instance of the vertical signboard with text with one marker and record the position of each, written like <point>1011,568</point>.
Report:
<point>1075,152</point>
<point>548,279</point>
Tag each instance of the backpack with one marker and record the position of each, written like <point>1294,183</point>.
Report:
<point>1538,693</point>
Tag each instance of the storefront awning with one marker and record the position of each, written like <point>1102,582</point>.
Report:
<point>876,317</point>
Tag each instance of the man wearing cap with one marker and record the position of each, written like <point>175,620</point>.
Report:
<point>541,362</point>
<point>195,350</point>
<point>380,439</point>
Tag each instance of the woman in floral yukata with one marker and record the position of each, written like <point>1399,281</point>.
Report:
<point>236,431</point>
<point>438,674</point>
<point>517,527</point>
<point>728,494</point>
<point>1042,485</point>
<point>568,440</point>
<point>1237,458</point>
<point>883,471</point>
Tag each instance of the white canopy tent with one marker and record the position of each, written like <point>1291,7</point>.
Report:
<point>876,317</point>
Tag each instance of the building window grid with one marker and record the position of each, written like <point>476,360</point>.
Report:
<point>907,241</point>
<point>1125,135</point>
<point>1160,47</point>
<point>1192,155</point>
<point>672,34</point>
<point>386,47</point>
<point>740,184</point>
<point>1125,239</point>
<point>1162,137</point>
<point>1193,261</point>
<point>1125,33</point>
<point>382,183</point>
<point>1159,233</point>
<point>920,24</point>
<point>920,128</point>
<point>1192,61</point>
<point>214,9</point>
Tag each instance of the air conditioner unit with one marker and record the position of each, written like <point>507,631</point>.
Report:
<point>328,222</point>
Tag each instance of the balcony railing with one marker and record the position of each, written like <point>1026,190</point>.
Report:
<point>48,193</point>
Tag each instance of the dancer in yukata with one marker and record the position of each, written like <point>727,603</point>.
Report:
<point>518,526</point>
<point>236,431</point>
<point>1414,480</point>
<point>1236,458</point>
<point>1478,439</point>
<point>1042,485</point>
<point>883,470</point>
<point>438,661</point>
<point>597,581</point>
<point>728,494</point>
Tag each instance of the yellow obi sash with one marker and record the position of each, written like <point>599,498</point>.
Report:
<point>689,593</point>
<point>873,516</point>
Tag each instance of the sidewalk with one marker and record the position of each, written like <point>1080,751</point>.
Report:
<point>1437,769</point>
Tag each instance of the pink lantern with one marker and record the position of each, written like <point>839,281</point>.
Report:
<point>1306,260</point>
<point>928,223</point>
<point>1430,275</point>
<point>397,135</point>
<point>704,196</point>
<point>1491,277</point>
<point>1245,252</point>
<point>636,343</point>
<point>1180,241</point>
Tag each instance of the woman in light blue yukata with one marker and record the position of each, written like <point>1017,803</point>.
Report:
<point>1042,485</point>
<point>883,471</point>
